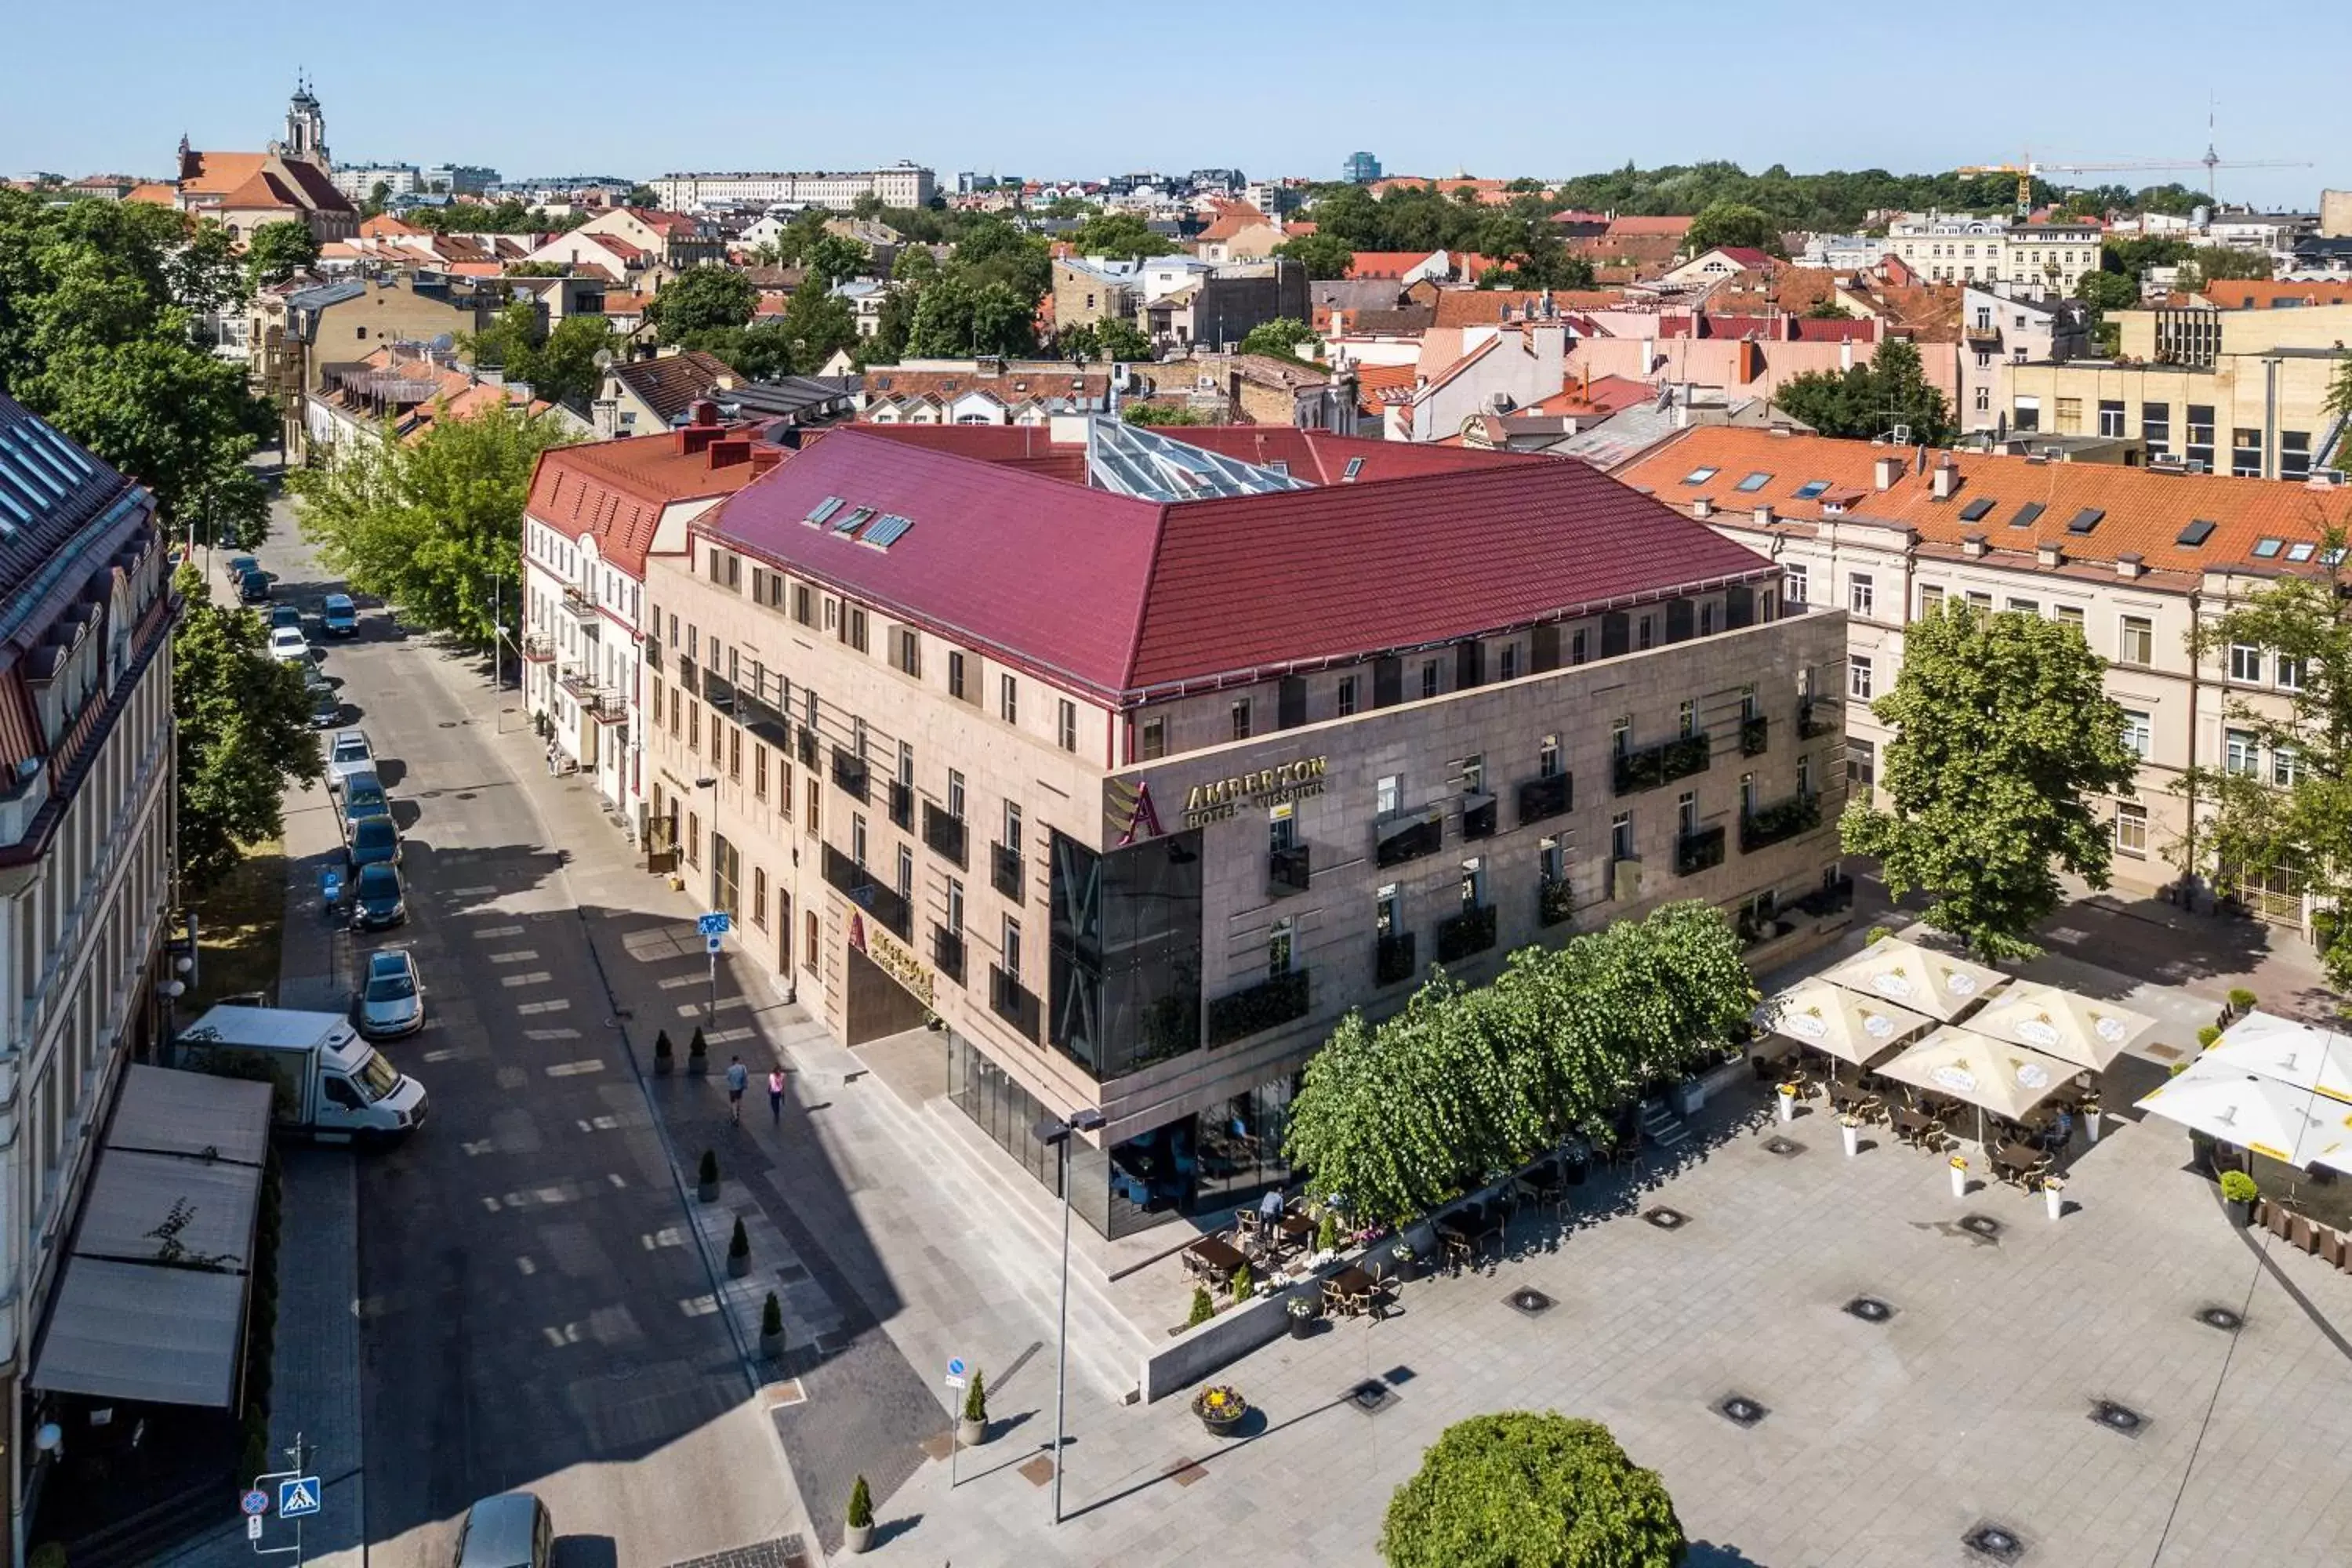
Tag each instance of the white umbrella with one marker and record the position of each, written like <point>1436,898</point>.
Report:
<point>1847,1025</point>
<point>2240,1107</point>
<point>2330,1143</point>
<point>2060,1024</point>
<point>1991,1075</point>
<point>2303,1055</point>
<point>1917,977</point>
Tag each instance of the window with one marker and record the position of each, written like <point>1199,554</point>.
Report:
<point>1931,600</point>
<point>2284,761</point>
<point>1388,795</point>
<point>1011,947</point>
<point>2294,455</point>
<point>1154,744</point>
<point>1687,812</point>
<point>2135,640</point>
<point>2025,606</point>
<point>734,752</point>
<point>1621,737</point>
<point>907,651</point>
<point>1387,909</point>
<point>956,678</point>
<point>759,773</point>
<point>2155,427</point>
<point>1474,881</point>
<point>1646,633</point>
<point>1792,587</point>
<point>853,627</point>
<point>1548,757</point>
<point>2111,417</point>
<point>1012,840</point>
<point>2139,733</point>
<point>1859,677</point>
<point>1861,764</point>
<point>1620,837</point>
<point>1698,476</point>
<point>1578,651</point>
<point>1008,699</point>
<point>1507,667</point>
<point>2245,454</point>
<point>1983,392</point>
<point>2025,413</point>
<point>1277,949</point>
<point>1981,603</point>
<point>955,906</point>
<point>2239,753</point>
<point>1860,594</point>
<point>1687,719</point>
<point>2290,673</point>
<point>1346,695</point>
<point>2131,830</point>
<point>760,897</point>
<point>2069,616</point>
<point>1747,795</point>
<point>1241,717</point>
<point>694,727</point>
<point>2070,417</point>
<point>1754,482</point>
<point>2246,662</point>
<point>1429,678</point>
<point>906,873</point>
<point>2199,447</point>
<point>1066,724</point>
<point>955,794</point>
<point>906,765</point>
<point>858,838</point>
<point>803,605</point>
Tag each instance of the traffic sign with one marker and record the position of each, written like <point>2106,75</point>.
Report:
<point>716,924</point>
<point>298,1497</point>
<point>955,1372</point>
<point>713,943</point>
<point>253,1526</point>
<point>254,1502</point>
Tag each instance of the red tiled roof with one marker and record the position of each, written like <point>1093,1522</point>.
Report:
<point>1386,263</point>
<point>1484,307</point>
<point>384,226</point>
<point>1745,255</point>
<point>155,193</point>
<point>1623,227</point>
<point>1231,220</point>
<point>1120,595</point>
<point>1605,395</point>
<point>669,383</point>
<point>616,491</point>
<point>2263,294</point>
<point>1374,380</point>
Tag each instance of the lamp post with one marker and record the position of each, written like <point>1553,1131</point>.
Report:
<point>712,784</point>
<point>1054,1132</point>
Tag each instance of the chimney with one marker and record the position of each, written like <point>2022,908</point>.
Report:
<point>1886,470</point>
<point>764,456</point>
<point>2050,554</point>
<point>702,411</point>
<point>1972,545</point>
<point>2129,566</point>
<point>1763,514</point>
<point>730,450</point>
<point>1945,478</point>
<point>1702,507</point>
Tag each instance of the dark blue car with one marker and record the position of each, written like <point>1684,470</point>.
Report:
<point>374,839</point>
<point>377,903</point>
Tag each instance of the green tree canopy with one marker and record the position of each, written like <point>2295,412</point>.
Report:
<point>432,525</point>
<point>275,251</point>
<point>2214,263</point>
<point>1869,400</point>
<point>833,259</point>
<point>1323,254</point>
<point>701,300</point>
<point>2002,730</point>
<point>1733,223</point>
<point>560,366</point>
<point>243,732</point>
<point>1280,337</point>
<point>957,317</point>
<point>1119,233</point>
<point>1523,1489</point>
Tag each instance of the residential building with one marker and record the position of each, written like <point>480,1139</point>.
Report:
<point>1141,861</point>
<point>1091,289</point>
<point>1241,233</point>
<point>1467,374</point>
<point>2034,259</point>
<point>640,396</point>
<point>299,329</point>
<point>1997,332</point>
<point>903,185</point>
<point>87,880</point>
<point>987,391</point>
<point>1714,266</point>
<point>408,389</point>
<point>1219,310</point>
<point>865,297</point>
<point>1751,356</point>
<point>358,181</point>
<point>458,179</point>
<point>2132,557</point>
<point>1841,252</point>
<point>674,239</point>
<point>596,512</point>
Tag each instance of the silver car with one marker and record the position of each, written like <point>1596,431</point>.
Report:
<point>394,1001</point>
<point>349,753</point>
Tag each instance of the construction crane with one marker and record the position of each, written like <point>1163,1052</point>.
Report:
<point>2212,161</point>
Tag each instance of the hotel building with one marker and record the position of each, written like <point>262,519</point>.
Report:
<point>1135,762</point>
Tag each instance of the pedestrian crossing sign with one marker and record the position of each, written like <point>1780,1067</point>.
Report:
<point>298,1497</point>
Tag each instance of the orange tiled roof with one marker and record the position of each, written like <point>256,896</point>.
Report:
<point>2253,294</point>
<point>153,191</point>
<point>1797,289</point>
<point>1229,221</point>
<point>1622,227</point>
<point>1386,263</point>
<point>216,174</point>
<point>1606,394</point>
<point>384,226</point>
<point>1374,380</point>
<point>2143,512</point>
<point>1484,307</point>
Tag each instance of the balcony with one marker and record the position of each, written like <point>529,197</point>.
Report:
<point>1478,813</point>
<point>1004,870</point>
<point>1662,763</point>
<point>763,720</point>
<point>689,676</point>
<point>808,745</point>
<point>902,805</point>
<point>1769,824</point>
<point>1268,1005</point>
<point>1809,727</point>
<point>1402,836</point>
<point>1289,870</point>
<point>1551,795</point>
<point>856,884</point>
<point>1011,1002</point>
<point>1755,734</point>
<point>1472,930</point>
<point>850,773</point>
<point>578,686</point>
<point>719,692</point>
<point>576,603</point>
<point>1392,959</point>
<point>943,833</point>
<point>946,953</point>
<point>1696,852</point>
<point>611,707</point>
<point>538,649</point>
<point>1555,901</point>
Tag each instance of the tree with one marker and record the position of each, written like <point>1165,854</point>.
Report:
<point>207,275</point>
<point>2109,291</point>
<point>379,196</point>
<point>957,317</point>
<point>566,370</point>
<point>2003,728</point>
<point>243,729</point>
<point>2214,263</point>
<point>1733,223</point>
<point>1138,412</point>
<point>914,264</point>
<point>431,526</point>
<point>818,325</point>
<point>2254,824</point>
<point>275,251</point>
<point>1279,337</point>
<point>1109,339</point>
<point>1523,1489</point>
<point>1119,233</point>
<point>1869,400</point>
<point>641,197</point>
<point>833,259</point>
<point>1323,254</point>
<point>699,300</point>
<point>892,328</point>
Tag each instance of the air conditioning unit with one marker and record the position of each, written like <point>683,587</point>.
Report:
<point>2168,463</point>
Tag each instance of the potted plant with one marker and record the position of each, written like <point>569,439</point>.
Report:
<point>973,1430</point>
<point>1242,1285</point>
<point>1960,1177</point>
<point>1786,1098</point>
<point>739,1251</point>
<point>664,1055</point>
<point>1850,1130</point>
<point>932,1021</point>
<point>1221,1409</point>
<point>2053,1195</point>
<point>857,1528</point>
<point>2241,1001</point>
<point>1400,1254</point>
<point>706,1177</point>
<point>2238,1191</point>
<point>1327,1236</point>
<point>1301,1309</point>
<point>698,1053</point>
<point>771,1328</point>
<point>1205,1307</point>
<point>2091,1120</point>
<point>2207,1036</point>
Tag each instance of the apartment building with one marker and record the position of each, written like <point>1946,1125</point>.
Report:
<point>2035,260</point>
<point>86,876</point>
<point>296,333</point>
<point>1997,332</point>
<point>1134,763</point>
<point>2132,557</point>
<point>2240,392</point>
<point>902,185</point>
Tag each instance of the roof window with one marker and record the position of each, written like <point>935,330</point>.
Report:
<point>1811,490</point>
<point>2026,514</point>
<point>823,509</point>
<point>1355,465</point>
<point>2084,521</point>
<point>1977,508</point>
<point>2196,533</point>
<point>1754,482</point>
<point>2301,552</point>
<point>885,532</point>
<point>853,520</point>
<point>1700,475</point>
<point>2266,548</point>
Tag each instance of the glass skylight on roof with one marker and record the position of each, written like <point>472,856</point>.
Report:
<point>2302,551</point>
<point>1812,489</point>
<point>2333,558</point>
<point>1355,465</point>
<point>1700,475</point>
<point>33,476</point>
<point>1754,482</point>
<point>64,448</point>
<point>17,515</point>
<point>854,519</point>
<point>1130,461</point>
<point>2196,533</point>
<point>824,509</point>
<point>2084,521</point>
<point>885,532</point>
<point>2026,514</point>
<point>1977,508</point>
<point>2266,548</point>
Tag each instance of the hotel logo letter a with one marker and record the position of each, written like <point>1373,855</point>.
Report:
<point>1131,814</point>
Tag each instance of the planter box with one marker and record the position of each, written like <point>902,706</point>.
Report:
<point>1686,1096</point>
<point>739,1264</point>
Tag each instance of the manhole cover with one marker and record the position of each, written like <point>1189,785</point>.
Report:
<point>1371,1396</point>
<point>465,795</point>
<point>2222,1318</point>
<point>1997,1542</point>
<point>448,724</point>
<point>1870,1310</point>
<point>1784,1147</point>
<point>1184,1472</point>
<point>1980,1224</point>
<point>1665,1218</point>
<point>1037,1471</point>
<point>1740,1410</point>
<point>2120,1418</point>
<point>1529,1301</point>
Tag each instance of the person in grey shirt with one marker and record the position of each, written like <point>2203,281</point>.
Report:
<point>738,1079</point>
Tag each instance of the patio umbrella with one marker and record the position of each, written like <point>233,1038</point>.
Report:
<point>2328,1143</point>
<point>2060,1024</point>
<point>2303,1055</point>
<point>1847,1025</point>
<point>2240,1107</point>
<point>1991,1075</point>
<point>1917,977</point>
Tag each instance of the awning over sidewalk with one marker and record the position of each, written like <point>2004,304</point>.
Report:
<point>151,1304</point>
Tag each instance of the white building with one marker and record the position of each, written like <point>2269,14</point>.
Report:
<point>2031,259</point>
<point>903,185</point>
<point>358,181</point>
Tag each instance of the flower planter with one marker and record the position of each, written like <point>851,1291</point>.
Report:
<point>707,1192</point>
<point>739,1264</point>
<point>1221,1410</point>
<point>1959,1178</point>
<point>2091,1126</point>
<point>972,1433</point>
<point>2242,1214</point>
<point>1852,1137</point>
<point>1787,1099</point>
<point>1301,1324</point>
<point>2054,1198</point>
<point>664,1065</point>
<point>771,1346</point>
<point>698,1065</point>
<point>856,1539</point>
<point>1221,1425</point>
<point>1687,1097</point>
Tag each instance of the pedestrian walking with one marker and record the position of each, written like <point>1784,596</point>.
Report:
<point>776,1096</point>
<point>738,1079</point>
<point>551,754</point>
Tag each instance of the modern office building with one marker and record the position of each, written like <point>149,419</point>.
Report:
<point>1134,763</point>
<point>1361,169</point>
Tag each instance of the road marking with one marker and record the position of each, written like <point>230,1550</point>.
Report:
<point>668,1236</point>
<point>535,977</point>
<point>551,1195</point>
<point>616,1178</point>
<point>551,1034</point>
<point>568,1334</point>
<point>519,955</point>
<point>445,1054</point>
<point>469,892</point>
<point>599,1123</point>
<point>698,1305</point>
<point>492,1205</point>
<point>481,1146</point>
<point>694,1009</point>
<point>489,934</point>
<point>573,1069</point>
<point>526,1265</point>
<point>557,1005</point>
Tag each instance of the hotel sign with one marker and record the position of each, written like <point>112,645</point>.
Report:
<point>890,956</point>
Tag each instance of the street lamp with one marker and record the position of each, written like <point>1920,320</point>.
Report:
<point>712,784</point>
<point>1054,1132</point>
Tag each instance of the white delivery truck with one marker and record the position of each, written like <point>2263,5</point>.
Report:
<point>331,1084</point>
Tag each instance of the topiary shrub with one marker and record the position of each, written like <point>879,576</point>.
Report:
<point>1327,1235</point>
<point>1537,1489</point>
<point>698,1047</point>
<point>2207,1036</point>
<point>1205,1307</point>
<point>771,1315</point>
<point>2241,1000</point>
<point>1244,1286</point>
<point>707,1171</point>
<point>975,1398</point>
<point>740,1244</point>
<point>662,1049</point>
<point>861,1506</point>
<point>2239,1187</point>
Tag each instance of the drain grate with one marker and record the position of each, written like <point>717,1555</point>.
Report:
<point>1371,1396</point>
<point>1870,1310</point>
<point>2120,1418</point>
<point>1740,1410</point>
<point>1996,1542</point>
<point>1184,1472</point>
<point>1665,1218</point>
<point>1529,1301</point>
<point>2222,1318</point>
<point>1784,1147</point>
<point>1981,1225</point>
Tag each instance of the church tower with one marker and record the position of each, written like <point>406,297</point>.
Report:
<point>306,127</point>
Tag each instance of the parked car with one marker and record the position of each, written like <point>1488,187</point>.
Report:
<point>369,840</point>
<point>392,1003</point>
<point>341,617</point>
<point>364,797</point>
<point>285,615</point>
<point>287,644</point>
<point>349,752</point>
<point>253,587</point>
<point>377,903</point>
<point>510,1530</point>
<point>238,565</point>
<point>326,703</point>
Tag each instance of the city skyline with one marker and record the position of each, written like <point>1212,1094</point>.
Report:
<point>223,83</point>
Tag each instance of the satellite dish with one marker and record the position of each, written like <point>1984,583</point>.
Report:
<point>602,359</point>
<point>443,343</point>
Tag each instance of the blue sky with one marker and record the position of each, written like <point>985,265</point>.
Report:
<point>1500,88</point>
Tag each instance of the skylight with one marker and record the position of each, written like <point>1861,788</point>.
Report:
<point>2334,557</point>
<point>2196,533</point>
<point>1700,475</point>
<point>2026,514</point>
<point>1812,489</point>
<point>2266,548</point>
<point>1754,482</point>
<point>824,509</point>
<point>1977,508</point>
<point>852,519</point>
<point>1355,465</point>
<point>885,530</point>
<point>2084,521</point>
<point>2302,551</point>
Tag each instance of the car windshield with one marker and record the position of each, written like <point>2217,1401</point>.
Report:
<point>392,986</point>
<point>379,882</point>
<point>375,832</point>
<point>376,1077</point>
<point>350,749</point>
